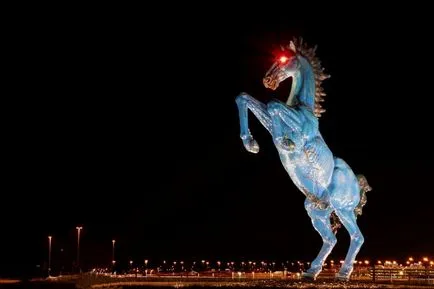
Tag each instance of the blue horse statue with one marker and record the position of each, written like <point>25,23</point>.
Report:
<point>335,196</point>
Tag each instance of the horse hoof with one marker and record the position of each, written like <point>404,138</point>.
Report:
<point>251,145</point>
<point>308,276</point>
<point>342,277</point>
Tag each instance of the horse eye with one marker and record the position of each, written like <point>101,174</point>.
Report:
<point>283,59</point>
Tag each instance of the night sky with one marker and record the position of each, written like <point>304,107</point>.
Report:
<point>129,127</point>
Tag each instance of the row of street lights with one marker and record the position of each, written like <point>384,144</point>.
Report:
<point>78,249</point>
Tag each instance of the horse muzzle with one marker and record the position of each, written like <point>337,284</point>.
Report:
<point>270,82</point>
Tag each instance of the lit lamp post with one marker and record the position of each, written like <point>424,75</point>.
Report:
<point>113,255</point>
<point>78,247</point>
<point>49,255</point>
<point>113,250</point>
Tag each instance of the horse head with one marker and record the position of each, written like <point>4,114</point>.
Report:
<point>286,65</point>
<point>299,62</point>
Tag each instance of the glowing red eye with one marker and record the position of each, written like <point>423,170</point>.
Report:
<point>283,59</point>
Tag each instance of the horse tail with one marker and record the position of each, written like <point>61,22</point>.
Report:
<point>364,188</point>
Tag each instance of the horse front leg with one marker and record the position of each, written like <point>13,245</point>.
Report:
<point>245,102</point>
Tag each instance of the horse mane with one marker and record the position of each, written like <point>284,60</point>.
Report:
<point>309,54</point>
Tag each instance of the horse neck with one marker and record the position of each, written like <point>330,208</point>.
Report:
<point>304,85</point>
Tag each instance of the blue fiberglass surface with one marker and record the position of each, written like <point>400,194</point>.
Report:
<point>335,196</point>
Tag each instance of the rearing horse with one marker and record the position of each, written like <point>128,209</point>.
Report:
<point>331,188</point>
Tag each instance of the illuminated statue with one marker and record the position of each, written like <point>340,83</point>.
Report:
<point>333,192</point>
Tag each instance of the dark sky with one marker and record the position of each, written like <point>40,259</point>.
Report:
<point>128,127</point>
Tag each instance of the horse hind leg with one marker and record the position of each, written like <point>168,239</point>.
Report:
<point>344,197</point>
<point>321,222</point>
<point>348,219</point>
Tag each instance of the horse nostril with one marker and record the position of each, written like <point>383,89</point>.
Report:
<point>266,80</point>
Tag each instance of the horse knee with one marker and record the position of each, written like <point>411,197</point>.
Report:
<point>273,107</point>
<point>242,97</point>
<point>358,239</point>
<point>330,240</point>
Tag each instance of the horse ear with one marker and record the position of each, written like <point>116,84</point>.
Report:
<point>292,46</point>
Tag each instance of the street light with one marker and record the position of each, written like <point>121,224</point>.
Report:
<point>78,246</point>
<point>113,250</point>
<point>49,255</point>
